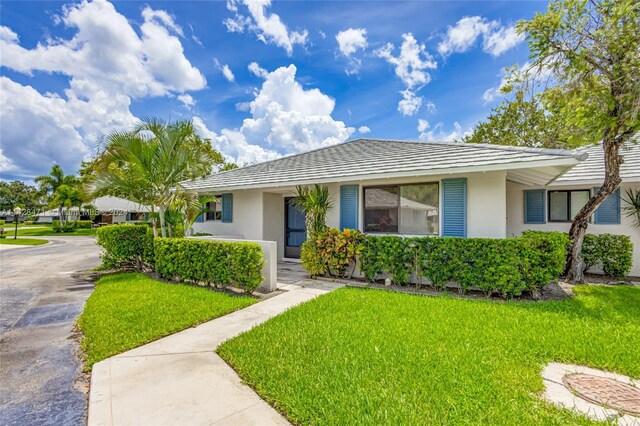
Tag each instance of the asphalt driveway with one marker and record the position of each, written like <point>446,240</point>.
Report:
<point>39,303</point>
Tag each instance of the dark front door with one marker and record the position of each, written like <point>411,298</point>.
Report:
<point>294,229</point>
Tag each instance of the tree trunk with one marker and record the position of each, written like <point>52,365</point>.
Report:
<point>154,225</point>
<point>574,270</point>
<point>60,217</point>
<point>162,224</point>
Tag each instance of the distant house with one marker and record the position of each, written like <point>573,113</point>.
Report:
<point>419,188</point>
<point>107,210</point>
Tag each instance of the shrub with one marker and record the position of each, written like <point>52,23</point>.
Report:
<point>338,250</point>
<point>2,222</point>
<point>126,246</point>
<point>214,263</point>
<point>612,253</point>
<point>387,254</point>
<point>311,260</point>
<point>83,224</point>
<point>590,251</point>
<point>507,267</point>
<point>63,229</point>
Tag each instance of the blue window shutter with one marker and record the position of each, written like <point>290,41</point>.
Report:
<point>128,219</point>
<point>609,211</point>
<point>454,207</point>
<point>200,218</point>
<point>349,206</point>
<point>227,208</point>
<point>535,206</point>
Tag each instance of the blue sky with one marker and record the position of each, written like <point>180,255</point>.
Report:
<point>259,79</point>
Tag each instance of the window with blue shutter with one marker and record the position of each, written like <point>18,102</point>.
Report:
<point>454,207</point>
<point>609,211</point>
<point>200,218</point>
<point>227,208</point>
<point>534,206</point>
<point>349,206</point>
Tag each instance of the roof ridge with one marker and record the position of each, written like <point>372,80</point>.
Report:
<point>563,152</point>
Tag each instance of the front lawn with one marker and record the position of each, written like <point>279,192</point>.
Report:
<point>22,241</point>
<point>48,232</point>
<point>127,310</point>
<point>359,356</point>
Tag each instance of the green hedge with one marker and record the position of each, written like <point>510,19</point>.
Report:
<point>126,246</point>
<point>612,253</point>
<point>507,267</point>
<point>216,263</point>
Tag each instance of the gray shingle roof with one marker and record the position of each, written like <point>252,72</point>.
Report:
<point>592,169</point>
<point>368,158</point>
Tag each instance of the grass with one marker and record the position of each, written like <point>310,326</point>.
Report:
<point>362,356</point>
<point>127,310</point>
<point>22,241</point>
<point>48,232</point>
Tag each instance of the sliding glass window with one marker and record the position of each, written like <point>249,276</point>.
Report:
<point>402,209</point>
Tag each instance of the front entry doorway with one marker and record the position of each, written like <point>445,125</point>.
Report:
<point>294,229</point>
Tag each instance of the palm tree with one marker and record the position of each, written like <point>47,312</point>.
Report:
<point>49,184</point>
<point>67,196</point>
<point>315,202</point>
<point>146,164</point>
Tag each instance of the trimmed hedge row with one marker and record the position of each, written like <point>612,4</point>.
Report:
<point>612,253</point>
<point>507,267</point>
<point>215,263</point>
<point>126,246</point>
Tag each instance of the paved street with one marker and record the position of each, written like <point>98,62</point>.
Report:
<point>39,303</point>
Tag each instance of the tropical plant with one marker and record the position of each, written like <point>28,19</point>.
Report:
<point>61,190</point>
<point>581,88</point>
<point>146,164</point>
<point>632,208</point>
<point>315,201</point>
<point>67,196</point>
<point>190,205</point>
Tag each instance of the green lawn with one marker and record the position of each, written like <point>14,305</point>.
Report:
<point>127,310</point>
<point>22,241</point>
<point>359,356</point>
<point>48,232</point>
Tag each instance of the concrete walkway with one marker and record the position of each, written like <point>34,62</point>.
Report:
<point>180,380</point>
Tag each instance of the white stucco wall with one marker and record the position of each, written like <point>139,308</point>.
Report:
<point>487,205</point>
<point>273,220</point>
<point>515,219</point>
<point>247,218</point>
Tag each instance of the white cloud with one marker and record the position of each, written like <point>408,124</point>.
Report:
<point>163,17</point>
<point>257,70</point>
<point>234,145</point>
<point>107,63</point>
<point>462,36</point>
<point>411,67</point>
<point>363,130</point>
<point>187,100</point>
<point>269,28</point>
<point>538,74</point>
<point>431,107</point>
<point>502,40</point>
<point>413,62</point>
<point>410,103</point>
<point>228,74</point>
<point>422,125</point>
<point>439,134</point>
<point>285,118</point>
<point>351,40</point>
<point>37,130</point>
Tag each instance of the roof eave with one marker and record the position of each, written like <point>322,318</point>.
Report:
<point>564,161</point>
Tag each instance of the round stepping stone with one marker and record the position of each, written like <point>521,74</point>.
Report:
<point>605,391</point>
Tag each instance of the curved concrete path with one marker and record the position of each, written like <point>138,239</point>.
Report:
<point>180,380</point>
